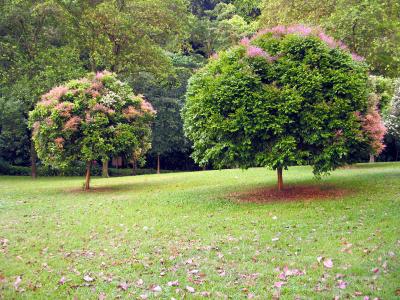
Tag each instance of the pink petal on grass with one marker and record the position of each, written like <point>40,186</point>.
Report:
<point>17,282</point>
<point>279,284</point>
<point>342,284</point>
<point>62,280</point>
<point>328,263</point>
<point>190,289</point>
<point>123,286</point>
<point>87,278</point>
<point>173,283</point>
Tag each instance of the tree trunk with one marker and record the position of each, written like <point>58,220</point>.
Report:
<point>33,161</point>
<point>280,178</point>
<point>134,167</point>
<point>104,172</point>
<point>87,179</point>
<point>371,158</point>
<point>158,163</point>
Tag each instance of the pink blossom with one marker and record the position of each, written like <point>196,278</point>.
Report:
<point>59,142</point>
<point>55,93</point>
<point>357,57</point>
<point>100,75</point>
<point>64,109</point>
<point>96,85</point>
<point>330,41</point>
<point>102,108</point>
<point>253,51</point>
<point>130,112</point>
<point>245,42</point>
<point>73,123</point>
<point>147,107</point>
<point>214,56</point>
<point>49,122</point>
<point>374,127</point>
<point>299,29</point>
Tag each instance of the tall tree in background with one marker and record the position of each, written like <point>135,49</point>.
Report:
<point>129,37</point>
<point>168,100</point>
<point>37,53</point>
<point>370,28</point>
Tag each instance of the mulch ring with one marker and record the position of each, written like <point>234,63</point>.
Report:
<point>290,193</point>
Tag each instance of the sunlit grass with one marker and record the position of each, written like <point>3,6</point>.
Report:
<point>182,227</point>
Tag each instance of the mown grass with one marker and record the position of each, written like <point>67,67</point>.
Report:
<point>133,235</point>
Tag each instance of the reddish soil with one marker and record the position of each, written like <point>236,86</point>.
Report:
<point>92,190</point>
<point>290,193</point>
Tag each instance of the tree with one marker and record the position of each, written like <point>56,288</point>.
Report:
<point>290,95</point>
<point>89,119</point>
<point>129,37</point>
<point>381,91</point>
<point>392,119</point>
<point>37,52</point>
<point>219,29</point>
<point>370,28</point>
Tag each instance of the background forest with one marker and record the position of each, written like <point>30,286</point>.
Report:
<point>156,46</point>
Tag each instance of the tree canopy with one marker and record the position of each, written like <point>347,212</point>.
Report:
<point>289,95</point>
<point>90,119</point>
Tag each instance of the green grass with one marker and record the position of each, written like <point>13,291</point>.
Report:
<point>162,228</point>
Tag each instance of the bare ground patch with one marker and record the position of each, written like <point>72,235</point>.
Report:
<point>290,193</point>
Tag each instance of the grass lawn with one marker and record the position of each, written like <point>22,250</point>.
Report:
<point>178,235</point>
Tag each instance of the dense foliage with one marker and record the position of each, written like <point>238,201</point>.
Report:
<point>288,95</point>
<point>90,119</point>
<point>155,46</point>
<point>370,28</point>
<point>393,116</point>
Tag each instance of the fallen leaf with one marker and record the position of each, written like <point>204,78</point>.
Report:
<point>156,289</point>
<point>173,283</point>
<point>139,282</point>
<point>328,263</point>
<point>342,284</point>
<point>87,278</point>
<point>62,280</point>
<point>279,284</point>
<point>123,286</point>
<point>205,294</point>
<point>17,282</point>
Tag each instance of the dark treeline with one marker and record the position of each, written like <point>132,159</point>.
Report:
<point>156,46</point>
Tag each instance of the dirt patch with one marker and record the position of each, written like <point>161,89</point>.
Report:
<point>290,193</point>
<point>93,190</point>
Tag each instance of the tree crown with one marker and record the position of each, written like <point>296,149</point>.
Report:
<point>289,95</point>
<point>92,118</point>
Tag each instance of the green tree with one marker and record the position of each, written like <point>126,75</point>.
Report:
<point>36,53</point>
<point>89,119</point>
<point>219,29</point>
<point>288,96</point>
<point>370,28</point>
<point>129,37</point>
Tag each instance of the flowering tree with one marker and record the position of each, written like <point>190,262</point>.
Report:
<point>393,116</point>
<point>90,119</point>
<point>289,95</point>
